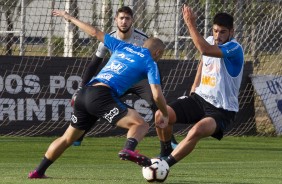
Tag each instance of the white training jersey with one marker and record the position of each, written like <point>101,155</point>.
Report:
<point>137,38</point>
<point>221,77</point>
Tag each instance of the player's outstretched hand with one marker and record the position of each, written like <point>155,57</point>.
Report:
<point>188,15</point>
<point>61,13</point>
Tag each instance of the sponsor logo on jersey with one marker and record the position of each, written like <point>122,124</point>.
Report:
<point>208,80</point>
<point>134,52</point>
<point>124,57</point>
<point>109,116</point>
<point>105,76</point>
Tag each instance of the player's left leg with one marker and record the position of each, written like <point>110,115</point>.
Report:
<point>142,89</point>
<point>55,150</point>
<point>165,134</point>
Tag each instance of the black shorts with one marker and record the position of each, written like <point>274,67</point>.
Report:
<point>94,102</point>
<point>190,110</point>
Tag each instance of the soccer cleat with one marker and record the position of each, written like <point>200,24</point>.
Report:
<point>134,156</point>
<point>76,143</point>
<point>35,175</point>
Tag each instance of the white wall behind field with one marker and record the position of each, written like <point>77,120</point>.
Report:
<point>38,16</point>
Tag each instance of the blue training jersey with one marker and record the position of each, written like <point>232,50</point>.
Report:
<point>127,65</point>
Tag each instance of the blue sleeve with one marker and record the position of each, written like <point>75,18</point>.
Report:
<point>230,49</point>
<point>112,43</point>
<point>153,73</point>
<point>233,57</point>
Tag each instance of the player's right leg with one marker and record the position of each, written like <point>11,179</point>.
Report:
<point>137,129</point>
<point>165,134</point>
<point>55,150</point>
<point>204,128</point>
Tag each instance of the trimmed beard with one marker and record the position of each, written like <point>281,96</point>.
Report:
<point>124,31</point>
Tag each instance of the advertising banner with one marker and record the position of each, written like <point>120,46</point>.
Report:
<point>35,94</point>
<point>269,88</point>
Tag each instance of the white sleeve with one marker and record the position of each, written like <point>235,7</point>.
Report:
<point>101,51</point>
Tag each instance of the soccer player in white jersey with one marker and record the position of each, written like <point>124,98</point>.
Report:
<point>213,101</point>
<point>100,97</point>
<point>126,32</point>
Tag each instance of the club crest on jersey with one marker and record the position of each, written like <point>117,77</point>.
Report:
<point>116,67</point>
<point>109,116</point>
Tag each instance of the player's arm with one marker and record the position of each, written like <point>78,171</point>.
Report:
<point>91,69</point>
<point>201,44</point>
<point>94,64</point>
<point>161,104</point>
<point>87,28</point>
<point>197,79</point>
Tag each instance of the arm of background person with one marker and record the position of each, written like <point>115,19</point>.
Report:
<point>85,27</point>
<point>91,69</point>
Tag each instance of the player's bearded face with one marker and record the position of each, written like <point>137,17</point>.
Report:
<point>124,22</point>
<point>221,34</point>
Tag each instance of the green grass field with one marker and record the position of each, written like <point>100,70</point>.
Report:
<point>236,160</point>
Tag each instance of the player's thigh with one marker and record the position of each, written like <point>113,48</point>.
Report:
<point>186,110</point>
<point>131,118</point>
<point>204,128</point>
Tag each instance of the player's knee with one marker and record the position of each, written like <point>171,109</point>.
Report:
<point>144,126</point>
<point>67,141</point>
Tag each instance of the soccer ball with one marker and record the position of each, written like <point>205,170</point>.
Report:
<point>157,172</point>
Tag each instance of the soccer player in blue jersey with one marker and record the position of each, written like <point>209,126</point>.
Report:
<point>213,101</point>
<point>126,32</point>
<point>100,97</point>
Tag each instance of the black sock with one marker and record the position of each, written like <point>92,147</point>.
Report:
<point>45,163</point>
<point>166,148</point>
<point>170,160</point>
<point>131,144</point>
<point>173,140</point>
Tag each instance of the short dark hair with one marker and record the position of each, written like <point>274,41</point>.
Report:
<point>125,9</point>
<point>223,19</point>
